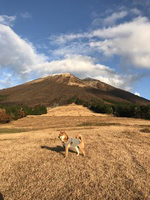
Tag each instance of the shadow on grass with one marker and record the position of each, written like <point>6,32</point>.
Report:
<point>1,196</point>
<point>58,149</point>
<point>145,130</point>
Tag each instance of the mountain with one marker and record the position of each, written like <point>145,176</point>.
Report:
<point>62,88</point>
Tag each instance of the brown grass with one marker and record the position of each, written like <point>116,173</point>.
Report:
<point>117,165</point>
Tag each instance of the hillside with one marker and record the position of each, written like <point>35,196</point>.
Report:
<point>71,110</point>
<point>62,88</point>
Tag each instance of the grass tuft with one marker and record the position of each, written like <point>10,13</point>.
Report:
<point>99,124</point>
<point>12,130</point>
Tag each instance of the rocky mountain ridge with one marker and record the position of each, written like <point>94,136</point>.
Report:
<point>59,88</point>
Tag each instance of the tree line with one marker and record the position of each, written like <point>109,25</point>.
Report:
<point>14,112</point>
<point>118,109</point>
<point>123,110</point>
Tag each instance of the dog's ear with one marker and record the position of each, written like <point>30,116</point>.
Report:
<point>66,137</point>
<point>61,132</point>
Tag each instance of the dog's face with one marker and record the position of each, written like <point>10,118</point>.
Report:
<point>63,136</point>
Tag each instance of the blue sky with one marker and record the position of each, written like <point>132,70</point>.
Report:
<point>103,39</point>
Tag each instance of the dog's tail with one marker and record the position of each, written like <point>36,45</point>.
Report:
<point>79,136</point>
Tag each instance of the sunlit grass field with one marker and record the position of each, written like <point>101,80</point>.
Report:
<point>116,166</point>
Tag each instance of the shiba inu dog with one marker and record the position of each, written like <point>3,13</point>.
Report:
<point>67,142</point>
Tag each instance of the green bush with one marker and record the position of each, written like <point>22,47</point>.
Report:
<point>37,110</point>
<point>75,100</point>
<point>120,109</point>
<point>145,112</point>
<point>102,108</point>
<point>132,110</point>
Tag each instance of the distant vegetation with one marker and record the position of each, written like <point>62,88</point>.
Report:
<point>14,112</point>
<point>118,109</point>
<point>123,110</point>
<point>3,97</point>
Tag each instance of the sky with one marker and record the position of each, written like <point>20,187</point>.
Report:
<point>102,39</point>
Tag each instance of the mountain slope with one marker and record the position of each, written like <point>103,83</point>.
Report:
<point>115,91</point>
<point>57,89</point>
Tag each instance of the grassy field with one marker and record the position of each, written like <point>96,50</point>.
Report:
<point>12,130</point>
<point>116,166</point>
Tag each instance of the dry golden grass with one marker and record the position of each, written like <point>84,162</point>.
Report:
<point>117,165</point>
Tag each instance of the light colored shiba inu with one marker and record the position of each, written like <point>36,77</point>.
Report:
<point>76,143</point>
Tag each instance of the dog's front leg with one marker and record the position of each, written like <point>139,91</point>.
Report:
<point>77,150</point>
<point>66,151</point>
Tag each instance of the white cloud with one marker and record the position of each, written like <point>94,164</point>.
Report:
<point>26,15</point>
<point>63,38</point>
<point>16,53</point>
<point>111,20</point>
<point>135,11</point>
<point>72,48</point>
<point>7,20</point>
<point>138,94</point>
<point>129,40</point>
<point>6,80</point>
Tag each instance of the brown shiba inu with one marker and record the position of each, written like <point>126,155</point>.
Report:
<point>67,142</point>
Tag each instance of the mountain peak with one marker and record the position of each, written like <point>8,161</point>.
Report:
<point>67,74</point>
<point>59,88</point>
<point>64,75</point>
<point>70,79</point>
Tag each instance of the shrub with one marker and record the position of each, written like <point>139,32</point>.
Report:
<point>120,109</point>
<point>75,100</point>
<point>102,108</point>
<point>4,117</point>
<point>3,97</point>
<point>123,111</point>
<point>145,112</point>
<point>39,110</point>
<point>132,110</point>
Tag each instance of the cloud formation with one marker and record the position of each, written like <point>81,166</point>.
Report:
<point>85,66</point>
<point>21,58</point>
<point>16,53</point>
<point>111,20</point>
<point>137,93</point>
<point>7,20</point>
<point>129,40</point>
<point>26,15</point>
